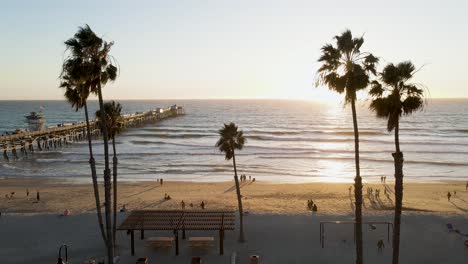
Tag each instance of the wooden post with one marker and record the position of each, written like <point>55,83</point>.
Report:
<point>5,154</point>
<point>320,238</point>
<point>323,235</point>
<point>176,234</point>
<point>132,237</point>
<point>221,241</point>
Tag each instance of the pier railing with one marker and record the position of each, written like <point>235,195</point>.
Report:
<point>56,136</point>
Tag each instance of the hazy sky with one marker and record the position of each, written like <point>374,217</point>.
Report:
<point>228,49</point>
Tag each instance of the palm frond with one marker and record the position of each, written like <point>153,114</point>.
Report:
<point>393,96</point>
<point>344,68</point>
<point>230,139</point>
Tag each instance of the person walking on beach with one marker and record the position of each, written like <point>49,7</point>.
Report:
<point>380,246</point>
<point>202,205</point>
<point>182,204</point>
<point>38,197</point>
<point>449,195</point>
<point>161,182</point>
<point>27,192</point>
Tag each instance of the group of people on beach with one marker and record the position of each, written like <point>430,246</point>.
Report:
<point>371,191</point>
<point>160,181</point>
<point>383,179</point>
<point>243,178</point>
<point>311,206</point>
<point>182,205</point>
<point>11,195</point>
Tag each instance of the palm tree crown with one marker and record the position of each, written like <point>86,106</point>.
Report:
<point>394,95</point>
<point>113,118</point>
<point>345,68</point>
<point>89,61</point>
<point>230,139</point>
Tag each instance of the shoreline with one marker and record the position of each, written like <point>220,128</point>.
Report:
<point>258,197</point>
<point>81,180</point>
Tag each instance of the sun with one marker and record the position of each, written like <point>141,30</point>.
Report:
<point>320,95</point>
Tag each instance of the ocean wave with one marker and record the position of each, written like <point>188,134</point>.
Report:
<point>368,159</point>
<point>298,139</point>
<point>150,142</point>
<point>167,135</point>
<point>177,130</point>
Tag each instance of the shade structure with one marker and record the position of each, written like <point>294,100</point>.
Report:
<point>179,220</point>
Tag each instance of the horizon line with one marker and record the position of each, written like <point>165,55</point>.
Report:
<point>230,99</point>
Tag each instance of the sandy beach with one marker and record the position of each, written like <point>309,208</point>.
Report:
<point>278,227</point>
<point>258,197</point>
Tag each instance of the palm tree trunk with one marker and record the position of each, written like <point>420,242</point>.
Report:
<point>357,189</point>
<point>239,201</point>
<point>92,164</point>
<point>107,183</point>
<point>114,182</point>
<point>398,158</point>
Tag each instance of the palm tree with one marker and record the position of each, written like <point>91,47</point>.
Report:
<point>395,96</point>
<point>114,125</point>
<point>96,69</point>
<point>345,69</point>
<point>230,140</point>
<point>77,94</point>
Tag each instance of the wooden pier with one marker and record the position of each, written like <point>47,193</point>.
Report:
<point>56,137</point>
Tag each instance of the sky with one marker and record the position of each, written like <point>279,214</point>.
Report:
<point>208,49</point>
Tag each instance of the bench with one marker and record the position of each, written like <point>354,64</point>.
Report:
<point>160,241</point>
<point>201,241</point>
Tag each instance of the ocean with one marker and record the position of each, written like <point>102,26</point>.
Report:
<point>287,141</point>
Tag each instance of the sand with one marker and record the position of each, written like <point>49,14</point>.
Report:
<point>278,227</point>
<point>258,197</point>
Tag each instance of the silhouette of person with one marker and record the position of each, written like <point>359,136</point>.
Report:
<point>182,204</point>
<point>449,195</point>
<point>161,181</point>
<point>202,205</point>
<point>380,245</point>
<point>314,208</point>
<point>38,197</point>
<point>27,192</point>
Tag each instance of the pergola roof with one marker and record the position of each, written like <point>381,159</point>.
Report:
<point>179,220</point>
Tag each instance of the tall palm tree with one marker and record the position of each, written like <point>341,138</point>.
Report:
<point>231,139</point>
<point>345,69</point>
<point>395,96</point>
<point>76,93</point>
<point>92,53</point>
<point>114,124</point>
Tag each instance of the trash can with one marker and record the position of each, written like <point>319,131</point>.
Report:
<point>254,259</point>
